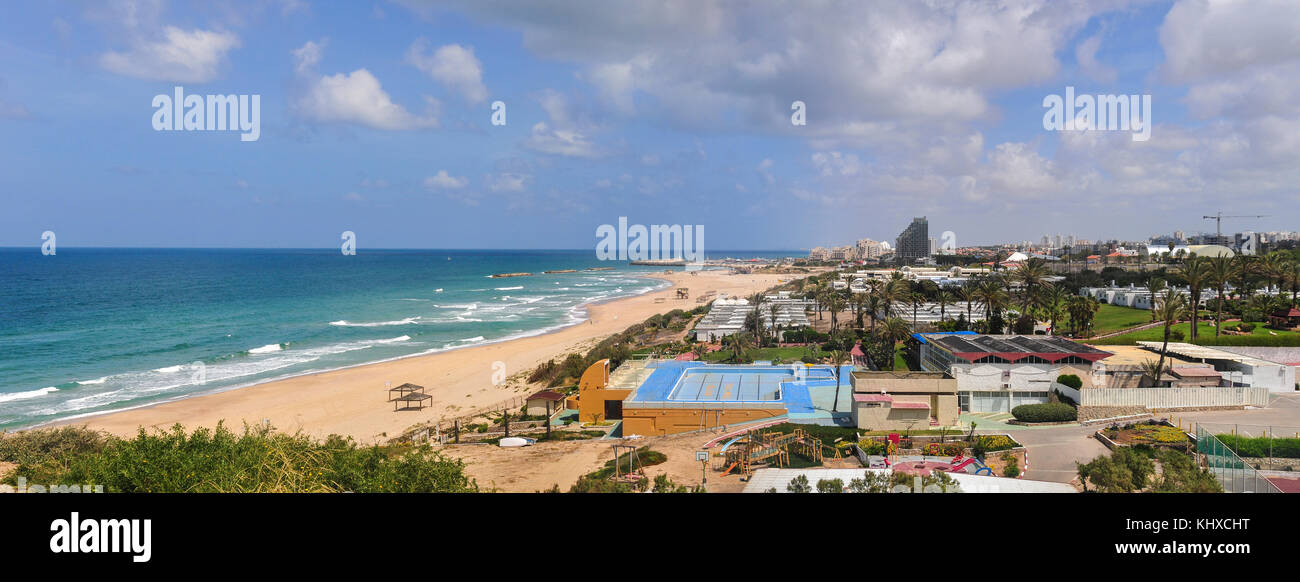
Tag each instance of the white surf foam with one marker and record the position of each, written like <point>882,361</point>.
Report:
<point>27,394</point>
<point>346,323</point>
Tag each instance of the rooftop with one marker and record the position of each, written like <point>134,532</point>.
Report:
<point>1013,347</point>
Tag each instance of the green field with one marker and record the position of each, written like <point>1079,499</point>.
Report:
<point>783,354</point>
<point>1261,336</point>
<point>1114,318</point>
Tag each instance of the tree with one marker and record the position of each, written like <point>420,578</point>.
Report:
<point>830,486</point>
<point>1220,272</point>
<point>1169,309</point>
<point>1179,473</point>
<point>944,298</point>
<point>838,358</point>
<point>1055,298</point>
<point>1196,272</point>
<point>1123,471</point>
<point>799,485</point>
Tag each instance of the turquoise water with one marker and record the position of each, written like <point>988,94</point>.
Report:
<point>93,330</point>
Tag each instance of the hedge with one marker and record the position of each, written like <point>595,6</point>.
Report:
<point>1288,448</point>
<point>1048,412</point>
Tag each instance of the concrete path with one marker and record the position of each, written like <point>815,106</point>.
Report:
<point>1054,450</point>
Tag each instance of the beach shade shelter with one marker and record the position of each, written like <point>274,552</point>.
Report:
<point>404,389</point>
<point>411,401</point>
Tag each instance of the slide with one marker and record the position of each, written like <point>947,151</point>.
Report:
<point>962,466</point>
<point>733,466</point>
<point>730,442</point>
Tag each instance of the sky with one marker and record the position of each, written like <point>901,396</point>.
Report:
<point>376,118</point>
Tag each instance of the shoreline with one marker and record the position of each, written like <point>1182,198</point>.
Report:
<point>584,307</point>
<point>352,400</point>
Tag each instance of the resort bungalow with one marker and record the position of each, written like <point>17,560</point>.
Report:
<point>543,403</point>
<point>1285,319</point>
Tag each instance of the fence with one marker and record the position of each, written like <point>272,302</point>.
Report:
<point>427,430</point>
<point>1232,472</point>
<point>1174,397</point>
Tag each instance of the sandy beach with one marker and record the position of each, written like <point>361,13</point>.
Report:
<point>354,402</point>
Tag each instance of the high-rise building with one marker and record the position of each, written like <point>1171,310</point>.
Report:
<point>914,242</point>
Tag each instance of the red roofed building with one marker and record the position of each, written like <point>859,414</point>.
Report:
<point>1286,318</point>
<point>543,403</point>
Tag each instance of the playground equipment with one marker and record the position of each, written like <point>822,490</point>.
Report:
<point>633,473</point>
<point>748,451</point>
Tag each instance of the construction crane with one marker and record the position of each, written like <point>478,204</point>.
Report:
<point>1218,220</point>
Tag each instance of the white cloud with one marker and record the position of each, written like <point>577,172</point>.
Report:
<point>180,56</point>
<point>452,65</point>
<point>831,163</point>
<point>565,135</point>
<point>1085,53</point>
<point>355,97</point>
<point>444,181</point>
<point>764,170</point>
<point>508,182</point>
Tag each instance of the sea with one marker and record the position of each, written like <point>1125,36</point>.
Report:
<point>92,330</point>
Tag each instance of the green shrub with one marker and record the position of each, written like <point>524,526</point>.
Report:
<point>1070,380</point>
<point>1048,412</point>
<point>1012,469</point>
<point>830,486</point>
<point>258,460</point>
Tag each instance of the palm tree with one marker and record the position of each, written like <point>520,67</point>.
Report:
<point>1031,274</point>
<point>1273,266</point>
<point>1082,309</point>
<point>1220,271</point>
<point>1054,302</point>
<point>838,358</point>
<point>1171,307</point>
<point>944,298</point>
<point>965,293</point>
<point>835,303</point>
<point>1155,285</point>
<point>1243,266</point>
<point>1196,272</point>
<point>916,299</point>
<point>892,331</point>
<point>773,309</point>
<point>859,304</point>
<point>1153,370</point>
<point>739,344</point>
<point>1291,275</point>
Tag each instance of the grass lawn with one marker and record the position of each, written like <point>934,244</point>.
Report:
<point>1114,318</point>
<point>900,363</point>
<point>783,354</point>
<point>1261,336</point>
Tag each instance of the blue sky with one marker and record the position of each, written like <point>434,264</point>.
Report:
<point>375,118</point>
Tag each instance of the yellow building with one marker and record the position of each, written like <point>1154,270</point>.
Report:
<point>598,401</point>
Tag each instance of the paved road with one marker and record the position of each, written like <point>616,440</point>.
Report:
<point>1053,451</point>
<point>1282,414</point>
